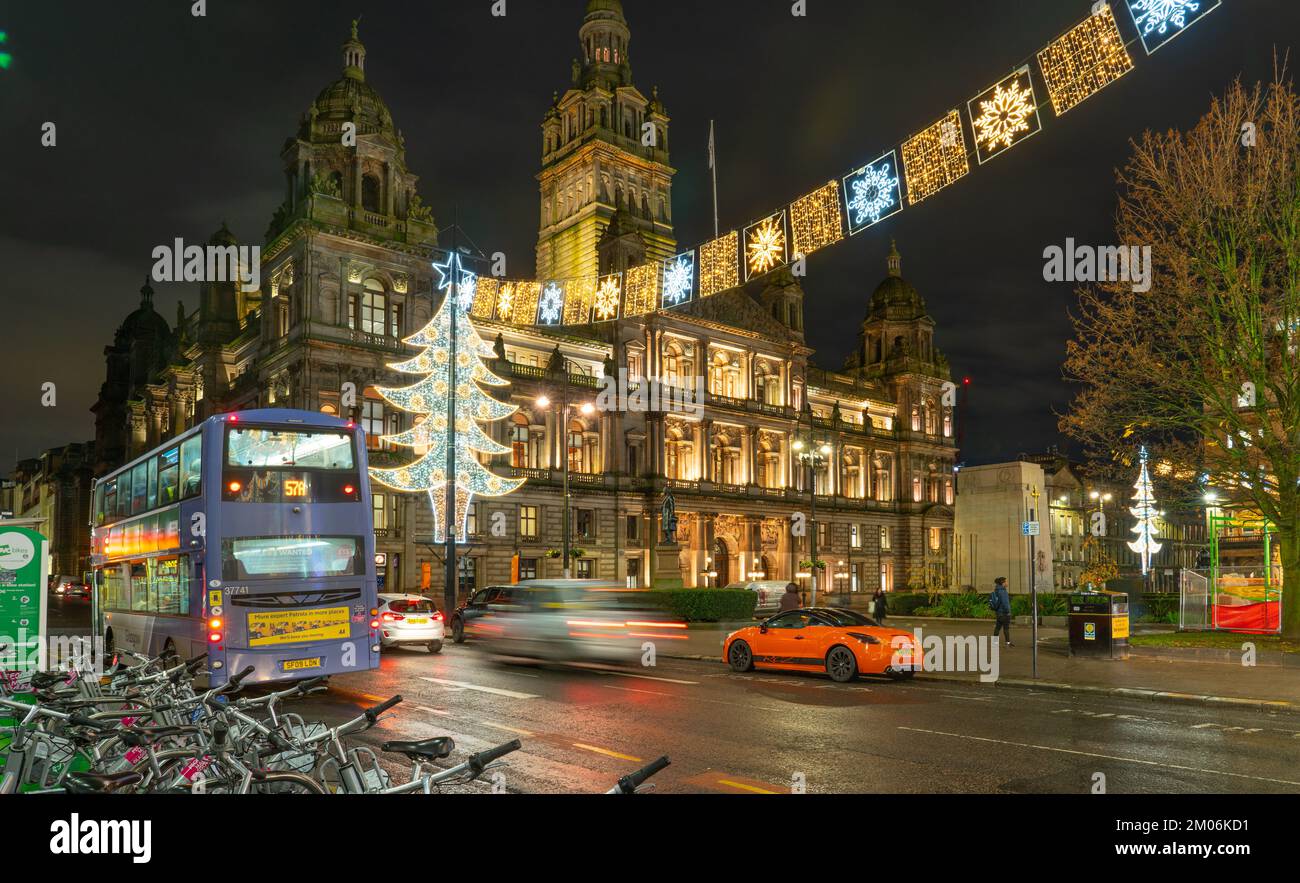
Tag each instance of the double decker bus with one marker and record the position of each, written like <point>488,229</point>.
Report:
<point>249,538</point>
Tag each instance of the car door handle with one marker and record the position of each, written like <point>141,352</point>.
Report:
<point>798,637</point>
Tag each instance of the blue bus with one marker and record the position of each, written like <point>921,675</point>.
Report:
<point>249,538</point>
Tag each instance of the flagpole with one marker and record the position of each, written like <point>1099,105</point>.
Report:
<point>713,164</point>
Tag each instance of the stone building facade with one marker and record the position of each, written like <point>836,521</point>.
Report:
<point>347,277</point>
<point>54,489</point>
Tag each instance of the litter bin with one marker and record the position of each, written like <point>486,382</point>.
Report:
<point>1099,625</point>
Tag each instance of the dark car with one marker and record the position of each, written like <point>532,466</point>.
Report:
<point>478,604</point>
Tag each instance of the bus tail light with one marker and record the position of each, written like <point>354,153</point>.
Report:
<point>349,489</point>
<point>374,624</point>
<point>214,630</point>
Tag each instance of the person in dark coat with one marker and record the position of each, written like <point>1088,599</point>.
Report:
<point>881,608</point>
<point>1001,604</point>
<point>791,600</point>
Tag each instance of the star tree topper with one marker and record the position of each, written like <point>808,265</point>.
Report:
<point>430,397</point>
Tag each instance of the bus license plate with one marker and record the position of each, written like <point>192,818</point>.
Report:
<point>302,664</point>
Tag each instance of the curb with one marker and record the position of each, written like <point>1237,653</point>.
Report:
<point>1275,706</point>
<point>1278,706</point>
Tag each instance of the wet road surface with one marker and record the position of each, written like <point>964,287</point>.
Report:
<point>584,727</point>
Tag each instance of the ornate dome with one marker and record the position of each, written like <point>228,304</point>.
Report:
<point>350,98</point>
<point>612,6</point>
<point>895,295</point>
<point>144,323</point>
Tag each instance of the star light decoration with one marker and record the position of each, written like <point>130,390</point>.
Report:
<point>608,297</point>
<point>765,246</point>
<point>430,398</point>
<point>550,309</point>
<point>935,158</point>
<point>1085,60</point>
<point>1004,115</point>
<point>1159,21</point>
<point>873,193</point>
<point>679,279</point>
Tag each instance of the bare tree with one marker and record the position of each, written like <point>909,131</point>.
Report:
<point>1205,367</point>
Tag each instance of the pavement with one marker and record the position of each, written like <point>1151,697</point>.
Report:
<point>583,727</point>
<point>1166,675</point>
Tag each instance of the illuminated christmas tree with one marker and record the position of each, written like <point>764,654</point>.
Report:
<point>1145,512</point>
<point>431,396</point>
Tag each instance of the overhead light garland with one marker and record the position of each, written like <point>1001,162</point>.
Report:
<point>1080,63</point>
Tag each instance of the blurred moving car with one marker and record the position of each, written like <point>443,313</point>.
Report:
<point>769,594</point>
<point>842,643</point>
<point>573,621</point>
<point>410,619</point>
<point>477,605</point>
<point>65,586</point>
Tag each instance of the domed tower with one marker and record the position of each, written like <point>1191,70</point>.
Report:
<point>897,328</point>
<point>604,153</point>
<point>346,165</point>
<point>142,347</point>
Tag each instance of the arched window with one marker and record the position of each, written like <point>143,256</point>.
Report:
<point>370,193</point>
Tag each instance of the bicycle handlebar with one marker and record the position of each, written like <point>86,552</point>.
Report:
<point>629,784</point>
<point>479,761</point>
<point>372,714</point>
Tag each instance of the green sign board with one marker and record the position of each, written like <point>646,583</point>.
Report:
<point>23,577</point>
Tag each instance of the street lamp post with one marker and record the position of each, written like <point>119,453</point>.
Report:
<point>586,409</point>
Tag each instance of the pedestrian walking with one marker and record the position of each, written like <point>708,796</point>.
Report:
<point>880,606</point>
<point>1001,604</point>
<point>791,599</point>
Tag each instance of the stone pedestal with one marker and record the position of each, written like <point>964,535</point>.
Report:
<point>666,567</point>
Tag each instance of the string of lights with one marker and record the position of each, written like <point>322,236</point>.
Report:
<point>1072,68</point>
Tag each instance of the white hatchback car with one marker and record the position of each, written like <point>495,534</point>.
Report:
<point>410,619</point>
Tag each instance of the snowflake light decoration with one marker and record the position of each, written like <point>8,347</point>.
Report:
<point>765,245</point>
<point>551,306</point>
<point>872,193</point>
<point>1004,115</point>
<point>505,301</point>
<point>679,279</point>
<point>1159,21</point>
<point>608,295</point>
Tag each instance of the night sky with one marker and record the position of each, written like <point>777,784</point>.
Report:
<point>170,124</point>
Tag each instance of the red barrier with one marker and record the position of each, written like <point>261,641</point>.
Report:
<point>1249,617</point>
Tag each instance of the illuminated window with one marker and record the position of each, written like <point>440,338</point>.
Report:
<point>373,315</point>
<point>936,539</point>
<point>372,421</point>
<point>528,522</point>
<point>886,538</point>
<point>519,442</point>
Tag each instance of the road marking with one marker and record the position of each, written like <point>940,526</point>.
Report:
<point>515,730</point>
<point>495,691</point>
<point>743,787</point>
<point>635,690</point>
<point>432,710</point>
<point>624,674</point>
<point>608,753</point>
<point>969,698</point>
<point>1154,763</point>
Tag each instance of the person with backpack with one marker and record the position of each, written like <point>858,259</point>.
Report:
<point>1000,602</point>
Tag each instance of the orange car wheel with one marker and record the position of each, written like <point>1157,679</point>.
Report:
<point>841,665</point>
<point>740,657</point>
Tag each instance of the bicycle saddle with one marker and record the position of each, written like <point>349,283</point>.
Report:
<point>430,749</point>
<point>95,783</point>
<point>43,680</point>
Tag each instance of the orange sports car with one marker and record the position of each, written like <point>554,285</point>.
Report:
<point>842,643</point>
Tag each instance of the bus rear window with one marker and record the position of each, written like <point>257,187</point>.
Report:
<point>291,557</point>
<point>279,449</point>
